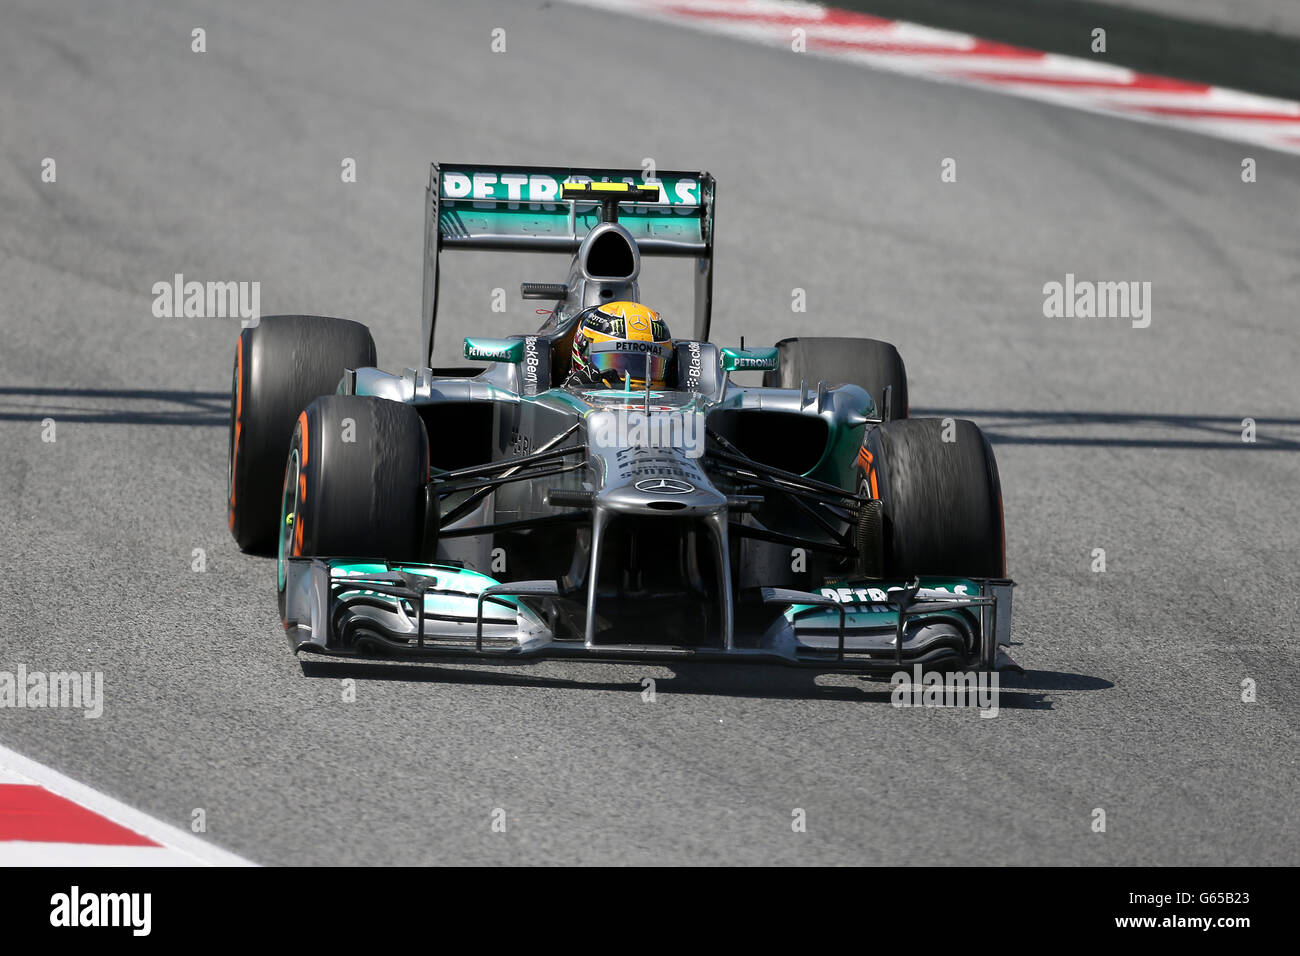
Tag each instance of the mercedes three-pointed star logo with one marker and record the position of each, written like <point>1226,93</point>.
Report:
<point>665,486</point>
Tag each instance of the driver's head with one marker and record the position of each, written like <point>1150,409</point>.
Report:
<point>617,337</point>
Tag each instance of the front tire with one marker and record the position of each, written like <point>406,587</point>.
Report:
<point>354,482</point>
<point>940,499</point>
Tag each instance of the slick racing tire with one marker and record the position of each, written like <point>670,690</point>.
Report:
<point>281,364</point>
<point>867,363</point>
<point>354,482</point>
<point>940,500</point>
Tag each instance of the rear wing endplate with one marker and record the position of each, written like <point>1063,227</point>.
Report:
<point>520,209</point>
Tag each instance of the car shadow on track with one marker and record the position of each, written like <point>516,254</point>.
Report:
<point>1027,691</point>
<point>116,406</point>
<point>1126,429</point>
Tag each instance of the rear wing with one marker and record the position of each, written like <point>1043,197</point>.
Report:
<point>520,209</point>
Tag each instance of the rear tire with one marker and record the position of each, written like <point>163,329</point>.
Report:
<point>281,364</point>
<point>870,364</point>
<point>940,501</point>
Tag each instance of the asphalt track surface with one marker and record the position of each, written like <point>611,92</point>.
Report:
<point>226,166</point>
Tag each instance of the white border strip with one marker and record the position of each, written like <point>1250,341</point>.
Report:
<point>200,851</point>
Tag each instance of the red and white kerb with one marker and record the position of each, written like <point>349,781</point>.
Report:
<point>1087,84</point>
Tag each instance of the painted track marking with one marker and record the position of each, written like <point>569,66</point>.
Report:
<point>48,819</point>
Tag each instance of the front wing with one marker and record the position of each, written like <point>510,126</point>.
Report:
<point>355,608</point>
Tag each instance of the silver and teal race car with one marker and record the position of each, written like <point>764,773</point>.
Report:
<point>500,512</point>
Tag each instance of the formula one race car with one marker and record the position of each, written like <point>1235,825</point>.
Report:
<point>598,489</point>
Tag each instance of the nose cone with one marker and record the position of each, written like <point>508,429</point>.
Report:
<point>651,460</point>
<point>675,491</point>
<point>645,479</point>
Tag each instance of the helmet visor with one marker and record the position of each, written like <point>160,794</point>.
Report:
<point>629,358</point>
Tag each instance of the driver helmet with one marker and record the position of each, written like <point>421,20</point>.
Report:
<point>617,337</point>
